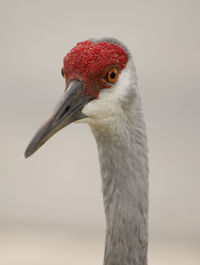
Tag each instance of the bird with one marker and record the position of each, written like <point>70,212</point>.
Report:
<point>102,91</point>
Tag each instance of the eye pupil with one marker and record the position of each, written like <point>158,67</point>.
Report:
<point>112,75</point>
<point>63,73</point>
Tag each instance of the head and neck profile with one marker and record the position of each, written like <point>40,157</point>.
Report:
<point>102,91</point>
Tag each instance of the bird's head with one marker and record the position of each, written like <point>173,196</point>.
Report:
<point>100,82</point>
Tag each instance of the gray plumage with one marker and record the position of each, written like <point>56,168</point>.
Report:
<point>122,148</point>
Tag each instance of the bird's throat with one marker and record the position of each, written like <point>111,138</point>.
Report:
<point>124,170</point>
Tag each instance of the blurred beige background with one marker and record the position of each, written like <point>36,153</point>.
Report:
<point>51,209</point>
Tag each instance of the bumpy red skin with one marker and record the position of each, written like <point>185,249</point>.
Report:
<point>90,63</point>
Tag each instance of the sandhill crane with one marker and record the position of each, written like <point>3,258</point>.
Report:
<point>102,91</point>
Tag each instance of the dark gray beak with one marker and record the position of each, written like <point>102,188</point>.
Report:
<point>68,110</point>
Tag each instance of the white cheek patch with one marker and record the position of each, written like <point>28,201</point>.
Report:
<point>111,100</point>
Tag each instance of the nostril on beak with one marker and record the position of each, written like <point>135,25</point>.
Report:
<point>64,112</point>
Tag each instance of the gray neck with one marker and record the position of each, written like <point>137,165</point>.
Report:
<point>123,158</point>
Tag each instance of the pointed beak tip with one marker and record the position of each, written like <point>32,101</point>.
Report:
<point>27,154</point>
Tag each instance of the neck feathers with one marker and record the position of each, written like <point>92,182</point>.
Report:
<point>123,158</point>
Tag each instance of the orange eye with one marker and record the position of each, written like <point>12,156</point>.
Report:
<point>112,75</point>
<point>63,73</point>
